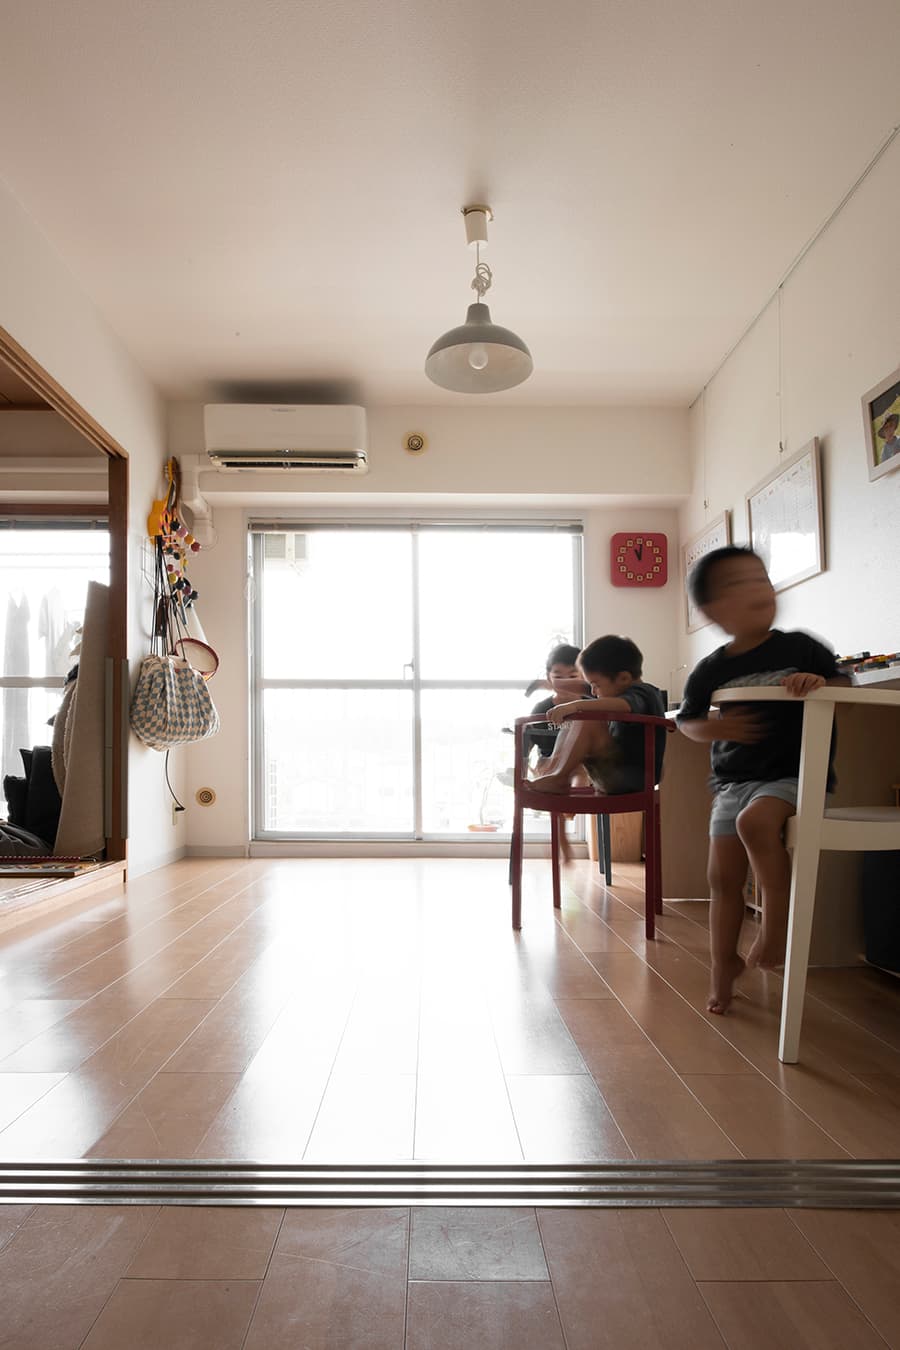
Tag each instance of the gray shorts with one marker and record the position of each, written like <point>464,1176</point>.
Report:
<point>613,776</point>
<point>731,798</point>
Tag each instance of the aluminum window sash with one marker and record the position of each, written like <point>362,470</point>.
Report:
<point>313,837</point>
<point>66,524</point>
<point>257,729</point>
<point>416,687</point>
<point>32,682</point>
<point>512,683</point>
<point>299,525</point>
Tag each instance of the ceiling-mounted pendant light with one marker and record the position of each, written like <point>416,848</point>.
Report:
<point>479,357</point>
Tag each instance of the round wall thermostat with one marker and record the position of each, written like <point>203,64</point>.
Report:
<point>205,796</point>
<point>415,443</point>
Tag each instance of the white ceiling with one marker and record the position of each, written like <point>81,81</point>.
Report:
<point>264,193</point>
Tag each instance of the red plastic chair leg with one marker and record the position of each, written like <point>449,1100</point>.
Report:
<point>604,848</point>
<point>650,855</point>
<point>554,858</point>
<point>658,851</point>
<point>515,866</point>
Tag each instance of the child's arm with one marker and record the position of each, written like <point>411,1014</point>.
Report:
<point>574,688</point>
<point>562,710</point>
<point>541,683</point>
<point>700,723</point>
<point>802,682</point>
<point>737,724</point>
<point>818,667</point>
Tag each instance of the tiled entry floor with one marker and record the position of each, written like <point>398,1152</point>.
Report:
<point>97,1278</point>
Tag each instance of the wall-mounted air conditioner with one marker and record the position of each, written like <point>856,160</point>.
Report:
<point>289,550</point>
<point>299,438</point>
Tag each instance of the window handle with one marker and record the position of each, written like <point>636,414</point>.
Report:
<point>409,666</point>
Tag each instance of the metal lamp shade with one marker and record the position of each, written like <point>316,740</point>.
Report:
<point>508,359</point>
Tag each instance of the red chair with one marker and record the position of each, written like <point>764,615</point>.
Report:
<point>588,801</point>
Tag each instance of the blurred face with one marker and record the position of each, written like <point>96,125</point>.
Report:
<point>608,686</point>
<point>743,598</point>
<point>888,427</point>
<point>559,671</point>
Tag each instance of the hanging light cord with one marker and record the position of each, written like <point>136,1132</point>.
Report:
<point>481,282</point>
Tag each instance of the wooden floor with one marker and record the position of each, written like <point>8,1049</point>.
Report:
<point>378,1010</point>
<point>437,1279</point>
<point>373,1010</point>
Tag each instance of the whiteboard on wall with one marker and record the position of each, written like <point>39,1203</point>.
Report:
<point>716,535</point>
<point>784,514</point>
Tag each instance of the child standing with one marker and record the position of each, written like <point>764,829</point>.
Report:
<point>754,754</point>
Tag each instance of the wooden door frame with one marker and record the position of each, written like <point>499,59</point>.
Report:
<point>34,375</point>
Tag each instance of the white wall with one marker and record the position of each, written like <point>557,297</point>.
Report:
<point>840,336</point>
<point>492,450</point>
<point>45,310</point>
<point>570,462</point>
<point>223,763</point>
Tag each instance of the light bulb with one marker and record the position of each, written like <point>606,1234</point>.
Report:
<point>478,358</point>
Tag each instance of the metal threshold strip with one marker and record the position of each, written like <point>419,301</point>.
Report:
<point>850,1184</point>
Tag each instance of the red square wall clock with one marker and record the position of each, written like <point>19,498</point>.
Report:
<point>639,558</point>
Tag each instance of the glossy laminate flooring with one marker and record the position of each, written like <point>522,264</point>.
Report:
<point>375,1010</point>
<point>380,1010</point>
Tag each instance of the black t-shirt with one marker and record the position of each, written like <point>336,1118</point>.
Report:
<point>646,700</point>
<point>778,756</point>
<point>543,736</point>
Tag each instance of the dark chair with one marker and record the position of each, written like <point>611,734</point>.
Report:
<point>545,739</point>
<point>588,801</point>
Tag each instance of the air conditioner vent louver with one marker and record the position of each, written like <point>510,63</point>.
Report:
<point>354,461</point>
<point>292,439</point>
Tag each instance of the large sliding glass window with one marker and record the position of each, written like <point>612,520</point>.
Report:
<point>387,662</point>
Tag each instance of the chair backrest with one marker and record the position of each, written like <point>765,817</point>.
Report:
<point>655,731</point>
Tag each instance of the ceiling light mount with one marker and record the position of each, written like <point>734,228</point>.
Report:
<point>478,357</point>
<point>476,218</point>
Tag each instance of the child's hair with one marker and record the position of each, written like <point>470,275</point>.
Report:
<point>563,655</point>
<point>699,580</point>
<point>610,655</point>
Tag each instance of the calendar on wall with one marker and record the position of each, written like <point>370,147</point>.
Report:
<point>785,518</point>
<point>716,535</point>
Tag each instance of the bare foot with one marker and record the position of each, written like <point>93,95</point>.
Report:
<point>722,987</point>
<point>766,953</point>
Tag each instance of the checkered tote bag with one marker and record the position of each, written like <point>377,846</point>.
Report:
<point>171,704</point>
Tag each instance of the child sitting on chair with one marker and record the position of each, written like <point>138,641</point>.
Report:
<point>611,753</point>
<point>755,754</point>
<point>564,680</point>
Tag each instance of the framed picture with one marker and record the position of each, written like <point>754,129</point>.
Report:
<point>716,535</point>
<point>881,417</point>
<point>785,517</point>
